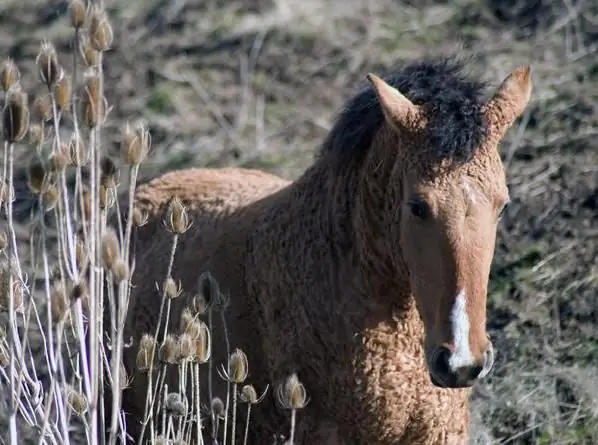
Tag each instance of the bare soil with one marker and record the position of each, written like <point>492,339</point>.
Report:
<point>257,83</point>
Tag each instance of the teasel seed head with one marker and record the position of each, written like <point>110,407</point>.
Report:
<point>77,13</point>
<point>238,368</point>
<point>120,271</point>
<point>291,394</point>
<point>59,159</point>
<point>187,319</point>
<point>135,144</point>
<point>169,350</point>
<point>50,197</point>
<point>37,178</point>
<point>208,289</point>
<point>78,153</point>
<point>100,30</point>
<point>6,192</point>
<point>140,218</point>
<point>107,196</point>
<point>15,115</point>
<point>48,66</point>
<point>9,74</point>
<point>36,135</point>
<point>110,248</point>
<point>249,395</point>
<point>217,407</point>
<point>186,347</point>
<point>63,93</point>
<point>60,302</point>
<point>42,107</point>
<point>17,289</point>
<point>177,217</point>
<point>93,110</point>
<point>171,289</point>
<point>203,342</point>
<point>175,405</point>
<point>147,350</point>
<point>77,401</point>
<point>90,56</point>
<point>109,172</point>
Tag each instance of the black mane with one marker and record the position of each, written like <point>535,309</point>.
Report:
<point>453,102</point>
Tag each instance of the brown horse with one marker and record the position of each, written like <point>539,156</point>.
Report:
<point>367,275</point>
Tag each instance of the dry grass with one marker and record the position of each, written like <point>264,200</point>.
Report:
<point>257,83</point>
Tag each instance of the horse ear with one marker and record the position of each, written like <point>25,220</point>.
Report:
<point>399,111</point>
<point>509,100</point>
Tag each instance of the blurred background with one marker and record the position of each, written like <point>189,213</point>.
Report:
<point>257,83</point>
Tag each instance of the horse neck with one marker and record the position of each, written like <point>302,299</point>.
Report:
<point>353,211</point>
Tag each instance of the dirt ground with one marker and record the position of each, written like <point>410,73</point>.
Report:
<point>257,83</point>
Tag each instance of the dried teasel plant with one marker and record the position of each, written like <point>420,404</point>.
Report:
<point>238,367</point>
<point>249,395</point>
<point>9,74</point>
<point>292,394</point>
<point>110,248</point>
<point>101,35</point>
<point>76,400</point>
<point>146,353</point>
<point>140,217</point>
<point>177,218</point>
<point>77,13</point>
<point>5,287</point>
<point>136,143</point>
<point>172,289</point>
<point>15,115</point>
<point>169,350</point>
<point>48,67</point>
<point>175,404</point>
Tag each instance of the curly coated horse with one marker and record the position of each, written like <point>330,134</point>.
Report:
<point>367,275</point>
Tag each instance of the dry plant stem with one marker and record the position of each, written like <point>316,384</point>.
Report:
<point>53,393</point>
<point>66,216</point>
<point>151,396</point>
<point>119,315</point>
<point>293,421</point>
<point>210,377</point>
<point>247,424</point>
<point>94,294</point>
<point>227,342</point>
<point>196,384</point>
<point>234,420</point>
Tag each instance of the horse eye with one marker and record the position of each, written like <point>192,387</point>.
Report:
<point>419,208</point>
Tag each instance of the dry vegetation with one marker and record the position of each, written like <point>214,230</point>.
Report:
<point>256,83</point>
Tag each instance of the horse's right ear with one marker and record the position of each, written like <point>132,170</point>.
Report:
<point>399,111</point>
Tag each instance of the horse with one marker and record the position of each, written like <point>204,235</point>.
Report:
<point>366,276</point>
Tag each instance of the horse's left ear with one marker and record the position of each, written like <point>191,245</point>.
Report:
<point>399,111</point>
<point>509,100</point>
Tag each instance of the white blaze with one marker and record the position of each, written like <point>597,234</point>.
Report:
<point>462,355</point>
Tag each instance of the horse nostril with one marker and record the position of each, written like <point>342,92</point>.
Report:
<point>440,361</point>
